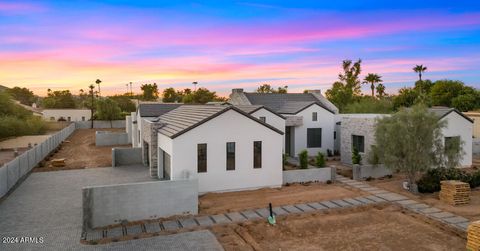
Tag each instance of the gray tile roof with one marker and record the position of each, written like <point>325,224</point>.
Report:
<point>444,111</point>
<point>249,108</point>
<point>155,109</point>
<point>187,117</point>
<point>287,103</point>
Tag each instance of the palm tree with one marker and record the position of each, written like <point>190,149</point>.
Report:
<point>92,95</point>
<point>419,69</point>
<point>380,90</point>
<point>373,79</point>
<point>98,81</point>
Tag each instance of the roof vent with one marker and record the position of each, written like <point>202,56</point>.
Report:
<point>315,91</point>
<point>238,90</point>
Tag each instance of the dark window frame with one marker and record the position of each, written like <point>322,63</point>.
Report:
<point>314,116</point>
<point>314,137</point>
<point>257,154</point>
<point>230,156</point>
<point>202,151</point>
<point>358,142</point>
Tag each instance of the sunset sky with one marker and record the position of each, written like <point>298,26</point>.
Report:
<point>69,44</point>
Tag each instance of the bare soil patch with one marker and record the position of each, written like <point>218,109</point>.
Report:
<point>214,203</point>
<point>80,152</point>
<point>470,211</point>
<point>378,227</point>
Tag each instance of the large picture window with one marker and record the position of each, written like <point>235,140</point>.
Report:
<point>314,137</point>
<point>358,142</point>
<point>257,154</point>
<point>230,155</point>
<point>202,158</point>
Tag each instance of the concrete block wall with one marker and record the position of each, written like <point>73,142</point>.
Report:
<point>112,204</point>
<point>308,175</point>
<point>105,138</point>
<point>126,156</point>
<point>361,172</point>
<point>15,170</point>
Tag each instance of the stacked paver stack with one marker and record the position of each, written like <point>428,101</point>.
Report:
<point>455,192</point>
<point>473,236</point>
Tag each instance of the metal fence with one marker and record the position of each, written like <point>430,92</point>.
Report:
<point>13,171</point>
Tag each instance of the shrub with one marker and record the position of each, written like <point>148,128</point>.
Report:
<point>320,160</point>
<point>373,157</point>
<point>430,181</point>
<point>329,153</point>
<point>329,182</point>
<point>356,158</point>
<point>303,158</point>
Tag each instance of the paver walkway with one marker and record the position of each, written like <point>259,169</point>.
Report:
<point>227,218</point>
<point>377,196</point>
<point>434,213</point>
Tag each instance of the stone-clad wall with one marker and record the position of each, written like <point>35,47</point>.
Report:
<point>356,126</point>
<point>149,137</point>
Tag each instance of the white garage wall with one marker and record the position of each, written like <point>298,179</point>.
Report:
<point>216,133</point>
<point>326,121</point>
<point>459,126</point>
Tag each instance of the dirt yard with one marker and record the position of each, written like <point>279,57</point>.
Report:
<point>363,228</point>
<point>214,203</point>
<point>471,211</point>
<point>80,152</point>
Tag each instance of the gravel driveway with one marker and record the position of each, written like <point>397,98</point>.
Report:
<point>49,205</point>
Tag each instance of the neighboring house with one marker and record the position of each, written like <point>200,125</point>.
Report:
<point>147,111</point>
<point>309,118</point>
<point>222,146</point>
<point>475,116</point>
<point>358,130</point>
<point>66,114</point>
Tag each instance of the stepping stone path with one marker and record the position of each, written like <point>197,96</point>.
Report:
<point>376,196</point>
<point>379,195</point>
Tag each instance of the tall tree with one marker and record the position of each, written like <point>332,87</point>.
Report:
<point>98,81</point>
<point>266,88</point>
<point>346,90</point>
<point>419,69</point>
<point>150,91</point>
<point>380,90</point>
<point>406,97</point>
<point>410,141</point>
<point>170,95</point>
<point>24,95</point>
<point>124,102</point>
<point>443,91</point>
<point>92,103</point>
<point>59,100</point>
<point>107,109</point>
<point>373,79</point>
<point>351,71</point>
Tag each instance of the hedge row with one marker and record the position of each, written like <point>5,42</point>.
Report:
<point>430,181</point>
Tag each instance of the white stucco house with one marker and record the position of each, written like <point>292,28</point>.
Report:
<point>222,146</point>
<point>358,130</point>
<point>309,118</point>
<point>66,114</point>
